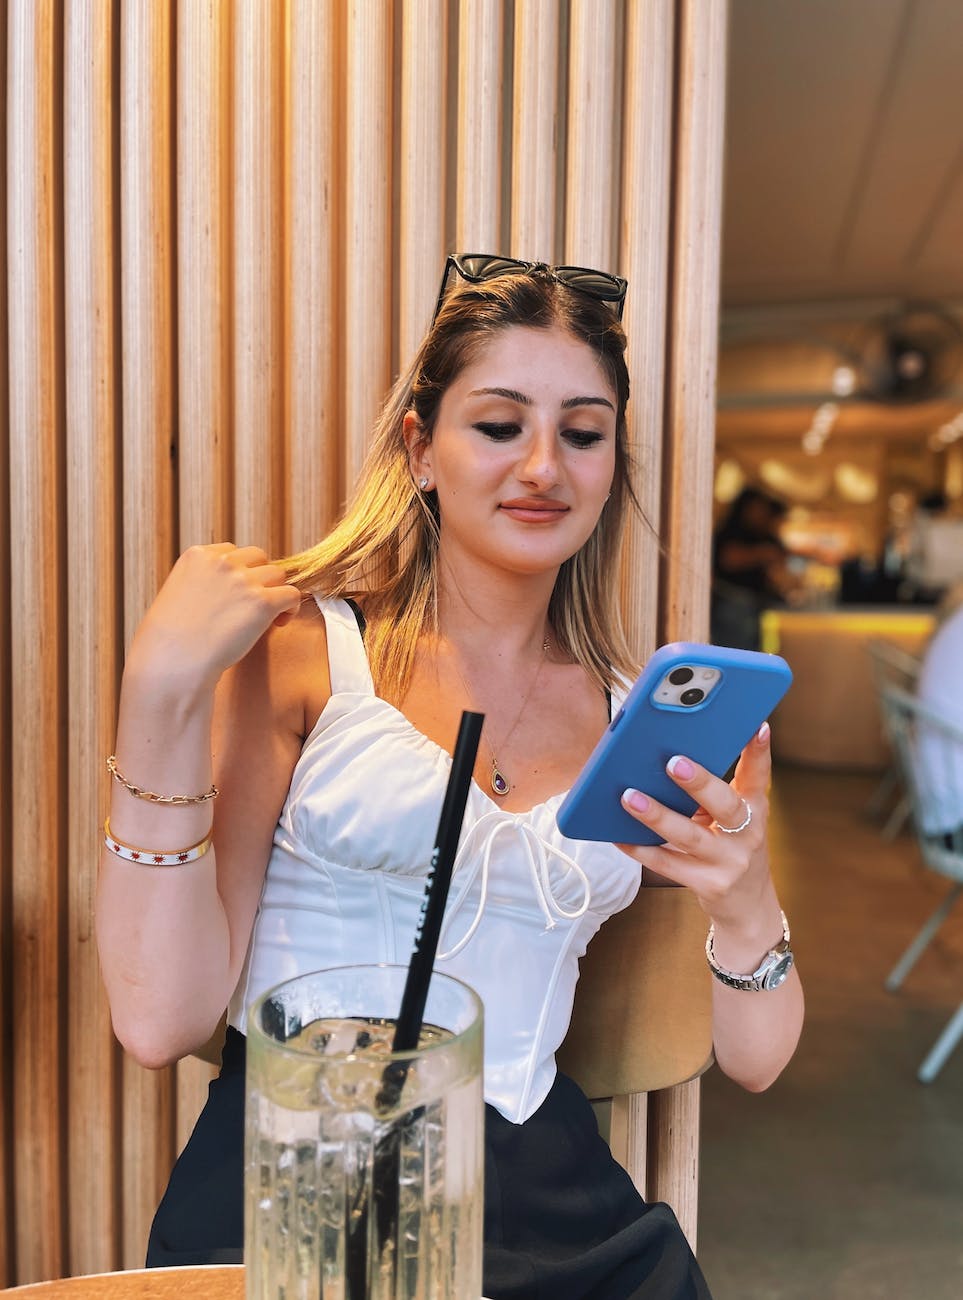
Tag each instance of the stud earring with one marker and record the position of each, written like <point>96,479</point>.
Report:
<point>423,483</point>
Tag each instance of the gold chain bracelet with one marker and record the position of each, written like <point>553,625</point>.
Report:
<point>138,793</point>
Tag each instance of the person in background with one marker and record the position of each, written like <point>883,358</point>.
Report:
<point>317,698</point>
<point>750,568</point>
<point>940,688</point>
<point>935,560</point>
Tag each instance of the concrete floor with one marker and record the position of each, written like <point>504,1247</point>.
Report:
<point>845,1179</point>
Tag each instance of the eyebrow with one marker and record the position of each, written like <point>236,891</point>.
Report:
<point>522,399</point>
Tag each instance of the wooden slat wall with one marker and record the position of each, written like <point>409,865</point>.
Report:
<point>689,436</point>
<point>37,634</point>
<point>147,406</point>
<point>223,227</point>
<point>6,809</point>
<point>312,411</point>
<point>92,363</point>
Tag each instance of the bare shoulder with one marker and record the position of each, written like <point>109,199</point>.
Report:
<point>284,677</point>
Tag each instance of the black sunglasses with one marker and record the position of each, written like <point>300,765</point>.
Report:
<point>476,268</point>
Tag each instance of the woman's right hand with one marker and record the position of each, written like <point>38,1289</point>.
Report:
<point>216,603</point>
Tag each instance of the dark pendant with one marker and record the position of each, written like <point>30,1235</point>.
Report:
<point>498,783</point>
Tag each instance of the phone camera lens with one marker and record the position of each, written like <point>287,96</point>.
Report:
<point>679,676</point>
<point>692,696</point>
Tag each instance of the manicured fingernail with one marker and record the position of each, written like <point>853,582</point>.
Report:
<point>680,767</point>
<point>762,735</point>
<point>635,800</point>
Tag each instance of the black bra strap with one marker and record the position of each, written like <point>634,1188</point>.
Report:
<point>356,610</point>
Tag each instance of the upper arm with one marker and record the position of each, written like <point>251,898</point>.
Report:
<point>261,711</point>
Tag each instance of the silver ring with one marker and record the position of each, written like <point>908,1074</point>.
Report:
<point>734,830</point>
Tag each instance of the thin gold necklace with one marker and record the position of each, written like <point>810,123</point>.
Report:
<point>498,781</point>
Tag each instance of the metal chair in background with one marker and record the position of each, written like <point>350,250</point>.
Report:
<point>892,666</point>
<point>929,753</point>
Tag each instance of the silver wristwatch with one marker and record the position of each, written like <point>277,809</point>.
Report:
<point>770,972</point>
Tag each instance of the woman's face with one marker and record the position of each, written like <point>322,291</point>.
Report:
<point>523,451</point>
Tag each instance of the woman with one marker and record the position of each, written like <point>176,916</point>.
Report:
<point>478,556</point>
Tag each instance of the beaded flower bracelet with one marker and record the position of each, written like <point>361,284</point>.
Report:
<point>147,858</point>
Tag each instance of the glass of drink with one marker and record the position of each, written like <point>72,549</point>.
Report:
<point>363,1167</point>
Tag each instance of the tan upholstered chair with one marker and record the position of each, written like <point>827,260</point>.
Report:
<point>641,1035</point>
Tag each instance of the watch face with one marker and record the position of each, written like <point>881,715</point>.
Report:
<point>778,971</point>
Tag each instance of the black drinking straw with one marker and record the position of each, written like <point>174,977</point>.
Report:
<point>415,995</point>
<point>413,999</point>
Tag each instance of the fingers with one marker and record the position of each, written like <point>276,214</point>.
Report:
<point>722,801</point>
<point>754,769</point>
<point>272,579</point>
<point>720,852</point>
<point>236,587</point>
<point>720,804</point>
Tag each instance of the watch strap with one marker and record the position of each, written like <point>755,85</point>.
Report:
<point>754,982</point>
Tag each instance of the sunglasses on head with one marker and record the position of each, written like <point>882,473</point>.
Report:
<point>476,268</point>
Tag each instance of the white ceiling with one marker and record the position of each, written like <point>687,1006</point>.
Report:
<point>844,167</point>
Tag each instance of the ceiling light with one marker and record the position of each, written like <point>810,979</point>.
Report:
<point>730,481</point>
<point>855,484</point>
<point>824,417</point>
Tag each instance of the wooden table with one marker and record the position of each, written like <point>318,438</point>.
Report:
<point>210,1282</point>
<point>213,1282</point>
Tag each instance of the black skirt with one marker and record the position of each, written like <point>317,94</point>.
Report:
<point>563,1220</point>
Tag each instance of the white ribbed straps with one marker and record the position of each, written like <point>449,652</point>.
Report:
<point>347,660</point>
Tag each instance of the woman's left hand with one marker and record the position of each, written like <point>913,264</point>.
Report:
<point>728,873</point>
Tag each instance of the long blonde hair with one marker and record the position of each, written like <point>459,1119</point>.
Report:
<point>384,550</point>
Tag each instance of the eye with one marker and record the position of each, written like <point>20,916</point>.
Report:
<point>583,437</point>
<point>497,431</point>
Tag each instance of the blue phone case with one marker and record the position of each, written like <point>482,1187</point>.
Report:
<point>645,733</point>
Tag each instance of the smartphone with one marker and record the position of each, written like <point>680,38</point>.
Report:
<point>703,701</point>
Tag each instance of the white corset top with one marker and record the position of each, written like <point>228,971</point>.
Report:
<point>346,877</point>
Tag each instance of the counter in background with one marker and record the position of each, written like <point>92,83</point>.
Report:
<point>830,718</point>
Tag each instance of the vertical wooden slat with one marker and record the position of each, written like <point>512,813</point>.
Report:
<point>92,651</point>
<point>148,406</point>
<point>697,223</point>
<point>310,279</point>
<point>672,1152</point>
<point>535,128</point>
<point>480,93</point>
<point>258,267</point>
<point>628,1136</point>
<point>593,137</point>
<point>366,308</point>
<point>192,1077</point>
<point>203,171</point>
<point>644,261</point>
<point>203,273</point>
<point>7,1200</point>
<point>36,513</point>
<point>421,232</point>
<point>689,453</point>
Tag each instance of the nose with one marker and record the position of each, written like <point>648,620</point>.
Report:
<point>539,464</point>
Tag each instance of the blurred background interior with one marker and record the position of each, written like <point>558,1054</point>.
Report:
<point>839,543</point>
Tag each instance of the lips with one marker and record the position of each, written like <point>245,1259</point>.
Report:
<point>534,510</point>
